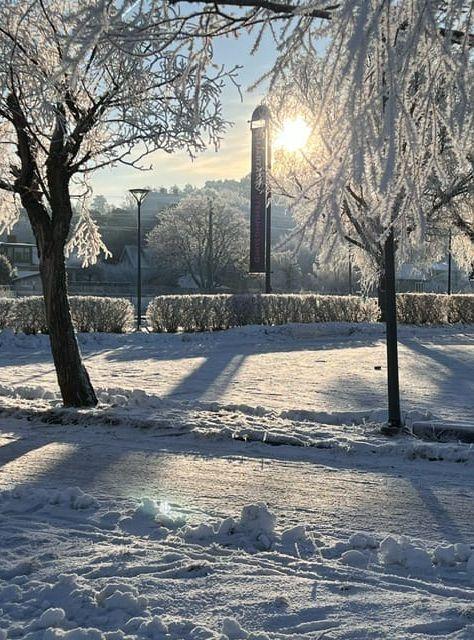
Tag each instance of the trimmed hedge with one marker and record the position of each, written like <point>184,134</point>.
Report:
<point>89,313</point>
<point>102,315</point>
<point>6,305</point>
<point>28,316</point>
<point>214,312</point>
<point>432,308</point>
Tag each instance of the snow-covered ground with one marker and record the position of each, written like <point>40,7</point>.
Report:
<point>321,368</point>
<point>219,491</point>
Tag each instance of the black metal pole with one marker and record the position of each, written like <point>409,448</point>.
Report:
<point>268,220</point>
<point>450,262</point>
<point>350,273</point>
<point>210,250</point>
<point>394,415</point>
<point>139,268</point>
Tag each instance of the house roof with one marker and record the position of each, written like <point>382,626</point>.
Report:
<point>23,275</point>
<point>130,254</point>
<point>17,244</point>
<point>440,266</point>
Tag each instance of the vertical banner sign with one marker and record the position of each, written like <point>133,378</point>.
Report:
<point>258,189</point>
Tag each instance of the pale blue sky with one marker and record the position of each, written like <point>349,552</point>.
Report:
<point>233,158</point>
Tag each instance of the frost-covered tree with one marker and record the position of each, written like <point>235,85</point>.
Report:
<point>7,272</point>
<point>83,85</point>
<point>387,88</point>
<point>287,275</point>
<point>337,205</point>
<point>100,205</point>
<point>204,236</point>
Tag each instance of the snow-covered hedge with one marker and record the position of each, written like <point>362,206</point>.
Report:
<point>27,316</point>
<point>211,312</point>
<point>431,308</point>
<point>108,315</point>
<point>6,305</point>
<point>461,308</point>
<point>104,315</point>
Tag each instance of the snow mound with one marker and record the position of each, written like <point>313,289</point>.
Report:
<point>23,499</point>
<point>402,552</point>
<point>355,558</point>
<point>445,555</point>
<point>470,568</point>
<point>255,529</point>
<point>153,628</point>
<point>296,541</point>
<point>362,540</point>
<point>76,634</point>
<point>462,551</point>
<point>160,513</point>
<point>124,597</point>
<point>51,618</point>
<point>232,629</point>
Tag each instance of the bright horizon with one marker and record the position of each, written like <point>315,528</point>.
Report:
<point>231,161</point>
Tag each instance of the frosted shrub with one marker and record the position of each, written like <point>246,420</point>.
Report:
<point>422,308</point>
<point>212,312</point>
<point>6,306</point>
<point>205,313</point>
<point>432,308</point>
<point>461,308</point>
<point>164,313</point>
<point>105,315</point>
<point>28,315</point>
<point>245,309</point>
<point>108,315</point>
<point>281,309</point>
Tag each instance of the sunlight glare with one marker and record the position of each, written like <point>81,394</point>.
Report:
<point>165,508</point>
<point>293,135</point>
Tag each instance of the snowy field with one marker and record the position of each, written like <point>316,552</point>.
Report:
<point>219,491</point>
<point>323,368</point>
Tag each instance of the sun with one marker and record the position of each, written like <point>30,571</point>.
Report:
<point>293,135</point>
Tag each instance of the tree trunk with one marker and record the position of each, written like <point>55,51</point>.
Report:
<point>381,296</point>
<point>73,379</point>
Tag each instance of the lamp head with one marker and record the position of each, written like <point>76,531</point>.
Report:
<point>139,194</point>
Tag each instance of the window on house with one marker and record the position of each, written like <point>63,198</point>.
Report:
<point>22,255</point>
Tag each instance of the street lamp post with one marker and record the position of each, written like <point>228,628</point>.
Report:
<point>293,137</point>
<point>260,200</point>
<point>450,260</point>
<point>350,270</point>
<point>139,195</point>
